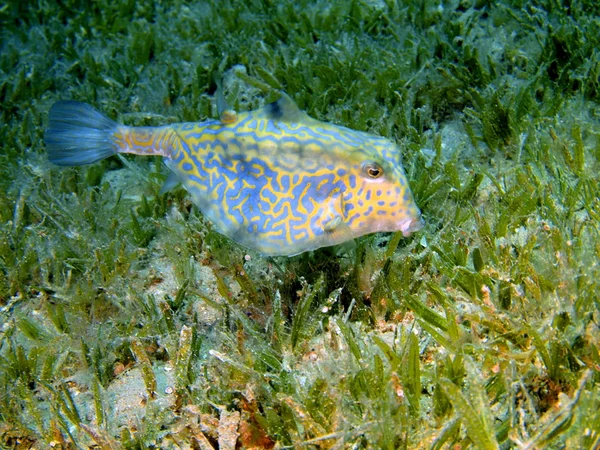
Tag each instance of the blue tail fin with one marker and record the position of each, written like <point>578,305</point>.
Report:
<point>78,134</point>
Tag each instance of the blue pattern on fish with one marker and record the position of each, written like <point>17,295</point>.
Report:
<point>274,179</point>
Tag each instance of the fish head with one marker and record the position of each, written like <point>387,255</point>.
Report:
<point>378,196</point>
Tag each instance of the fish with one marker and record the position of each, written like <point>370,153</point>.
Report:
<point>273,179</point>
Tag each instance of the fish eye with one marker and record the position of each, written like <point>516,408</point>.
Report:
<point>372,170</point>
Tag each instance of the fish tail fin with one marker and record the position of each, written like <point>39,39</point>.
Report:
<point>78,134</point>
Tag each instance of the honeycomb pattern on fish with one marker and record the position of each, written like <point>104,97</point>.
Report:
<point>274,179</point>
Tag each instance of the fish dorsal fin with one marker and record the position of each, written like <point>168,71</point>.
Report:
<point>222,105</point>
<point>284,110</point>
<point>226,114</point>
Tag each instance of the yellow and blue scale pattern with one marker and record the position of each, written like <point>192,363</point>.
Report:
<point>274,179</point>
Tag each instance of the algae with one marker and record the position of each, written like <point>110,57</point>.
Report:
<point>127,322</point>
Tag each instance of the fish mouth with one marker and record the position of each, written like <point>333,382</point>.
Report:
<point>409,226</point>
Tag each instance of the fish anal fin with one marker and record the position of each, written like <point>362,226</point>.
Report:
<point>170,183</point>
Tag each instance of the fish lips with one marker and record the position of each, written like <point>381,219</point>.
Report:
<point>410,225</point>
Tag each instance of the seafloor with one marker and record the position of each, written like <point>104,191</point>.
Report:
<point>128,322</point>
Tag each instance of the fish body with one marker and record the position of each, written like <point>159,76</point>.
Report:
<point>274,179</point>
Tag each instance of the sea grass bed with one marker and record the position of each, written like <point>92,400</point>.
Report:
<point>127,322</point>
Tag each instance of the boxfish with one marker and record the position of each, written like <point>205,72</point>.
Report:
<point>273,179</point>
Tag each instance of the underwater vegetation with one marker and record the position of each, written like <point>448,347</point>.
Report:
<point>128,321</point>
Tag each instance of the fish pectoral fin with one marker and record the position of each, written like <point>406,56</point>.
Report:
<point>335,228</point>
<point>332,217</point>
<point>338,231</point>
<point>332,223</point>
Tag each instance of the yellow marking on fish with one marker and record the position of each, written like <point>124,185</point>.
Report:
<point>274,179</point>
